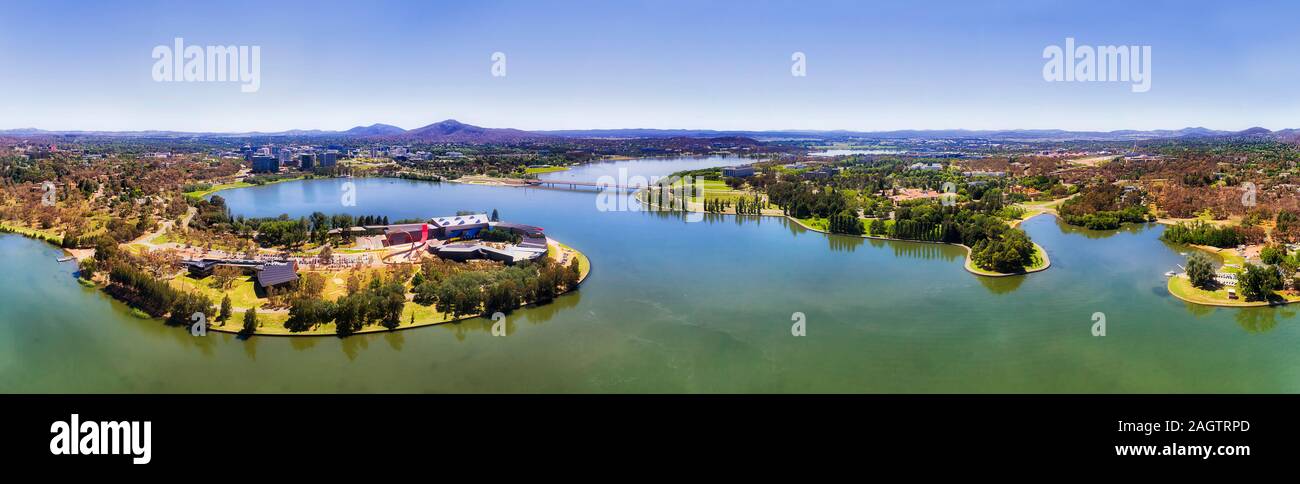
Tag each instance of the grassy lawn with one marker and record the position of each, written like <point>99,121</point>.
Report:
<point>166,238</point>
<point>273,324</point>
<point>242,293</point>
<point>585,264</point>
<point>30,232</point>
<point>1040,259</point>
<point>548,169</point>
<point>728,197</point>
<point>816,223</point>
<point>1228,257</point>
<point>708,185</point>
<point>216,188</point>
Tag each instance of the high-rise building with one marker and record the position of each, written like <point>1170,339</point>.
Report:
<point>329,158</point>
<point>265,164</point>
<point>306,161</point>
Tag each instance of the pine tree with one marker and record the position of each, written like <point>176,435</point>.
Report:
<point>225,309</point>
<point>250,322</point>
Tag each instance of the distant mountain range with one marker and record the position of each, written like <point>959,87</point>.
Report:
<point>452,131</point>
<point>1007,135</point>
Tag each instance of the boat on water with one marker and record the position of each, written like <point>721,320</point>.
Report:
<point>1171,274</point>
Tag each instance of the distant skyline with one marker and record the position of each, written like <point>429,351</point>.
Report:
<point>574,65</point>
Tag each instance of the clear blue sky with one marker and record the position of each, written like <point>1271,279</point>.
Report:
<point>654,64</point>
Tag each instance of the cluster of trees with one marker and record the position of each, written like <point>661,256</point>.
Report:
<point>994,245</point>
<point>845,223</point>
<point>1255,282</point>
<point>447,286</point>
<point>1108,220</point>
<point>1105,206</point>
<point>500,235</point>
<point>140,289</point>
<point>1258,283</point>
<point>804,200</point>
<point>123,230</point>
<point>1202,233</point>
<point>750,206</point>
<point>466,293</point>
<point>976,223</point>
<point>380,301</point>
<point>155,297</point>
<point>1041,183</point>
<point>744,205</point>
<point>1012,252</point>
<point>1288,226</point>
<point>1272,254</point>
<point>213,215</point>
<point>117,195</point>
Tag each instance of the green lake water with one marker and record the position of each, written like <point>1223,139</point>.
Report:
<point>673,306</point>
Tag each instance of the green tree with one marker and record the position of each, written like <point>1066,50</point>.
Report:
<point>86,269</point>
<point>1201,271</point>
<point>1272,254</point>
<point>226,309</point>
<point>1257,283</point>
<point>250,322</point>
<point>185,305</point>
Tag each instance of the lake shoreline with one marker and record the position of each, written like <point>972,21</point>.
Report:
<point>587,268</point>
<point>969,265</point>
<point>327,329</point>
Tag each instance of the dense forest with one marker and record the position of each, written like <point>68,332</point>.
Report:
<point>1105,206</point>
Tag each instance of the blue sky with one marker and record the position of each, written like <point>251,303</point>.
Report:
<point>871,65</point>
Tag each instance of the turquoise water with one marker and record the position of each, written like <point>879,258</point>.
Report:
<point>685,307</point>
